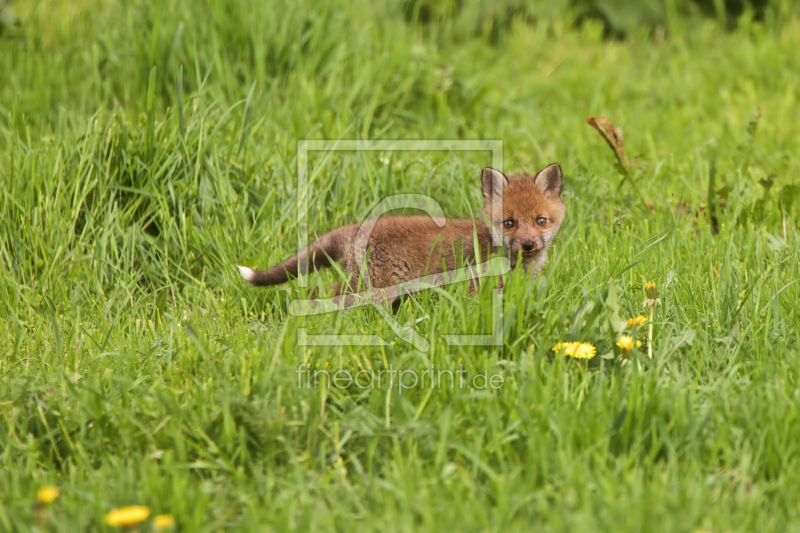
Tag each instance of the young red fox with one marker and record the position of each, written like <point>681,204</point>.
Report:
<point>404,249</point>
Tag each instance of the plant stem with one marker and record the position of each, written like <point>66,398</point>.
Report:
<point>650,334</point>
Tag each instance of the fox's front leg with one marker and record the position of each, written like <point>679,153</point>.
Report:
<point>474,285</point>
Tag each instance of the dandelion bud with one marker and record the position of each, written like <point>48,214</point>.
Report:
<point>651,299</point>
<point>650,290</point>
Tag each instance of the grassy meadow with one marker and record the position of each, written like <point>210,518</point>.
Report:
<point>148,147</point>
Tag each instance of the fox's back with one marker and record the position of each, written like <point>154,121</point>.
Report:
<point>406,248</point>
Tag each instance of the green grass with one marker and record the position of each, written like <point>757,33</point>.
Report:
<point>137,367</point>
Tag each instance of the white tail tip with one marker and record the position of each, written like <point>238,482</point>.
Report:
<point>247,273</point>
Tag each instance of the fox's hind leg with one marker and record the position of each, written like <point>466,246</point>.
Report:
<point>334,290</point>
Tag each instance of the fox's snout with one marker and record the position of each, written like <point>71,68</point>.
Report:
<point>527,244</point>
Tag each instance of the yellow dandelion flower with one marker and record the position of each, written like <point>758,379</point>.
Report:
<point>127,516</point>
<point>163,521</point>
<point>567,347</point>
<point>47,495</point>
<point>626,343</point>
<point>578,350</point>
<point>636,321</point>
<point>585,351</point>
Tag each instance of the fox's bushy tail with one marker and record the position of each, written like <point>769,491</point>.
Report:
<point>321,254</point>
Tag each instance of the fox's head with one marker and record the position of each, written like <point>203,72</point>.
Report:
<point>532,209</point>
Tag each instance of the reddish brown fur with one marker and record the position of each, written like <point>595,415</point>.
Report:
<point>403,249</point>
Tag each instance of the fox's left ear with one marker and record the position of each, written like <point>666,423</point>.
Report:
<point>493,183</point>
<point>549,180</point>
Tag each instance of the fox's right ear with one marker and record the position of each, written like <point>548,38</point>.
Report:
<point>549,180</point>
<point>493,182</point>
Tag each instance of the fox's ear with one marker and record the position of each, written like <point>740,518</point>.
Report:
<point>493,182</point>
<point>549,180</point>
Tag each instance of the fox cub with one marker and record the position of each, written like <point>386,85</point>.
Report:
<point>405,248</point>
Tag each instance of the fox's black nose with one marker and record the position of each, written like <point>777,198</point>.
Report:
<point>527,246</point>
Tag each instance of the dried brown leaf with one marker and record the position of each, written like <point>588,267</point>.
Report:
<point>613,137</point>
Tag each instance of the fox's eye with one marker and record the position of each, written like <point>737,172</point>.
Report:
<point>541,221</point>
<point>508,223</point>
